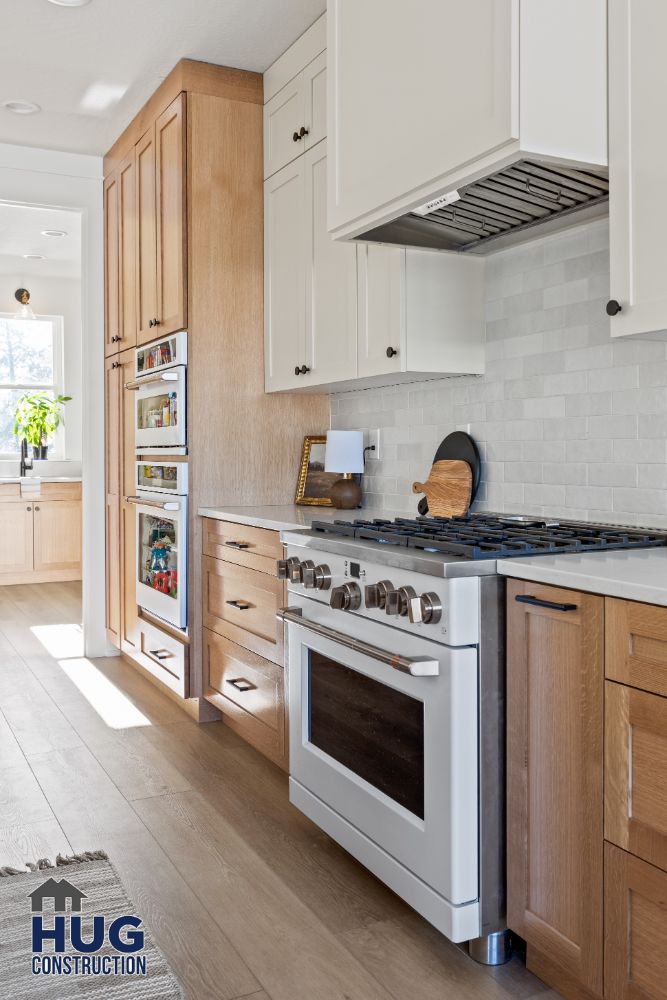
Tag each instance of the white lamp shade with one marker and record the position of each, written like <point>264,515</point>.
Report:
<point>344,451</point>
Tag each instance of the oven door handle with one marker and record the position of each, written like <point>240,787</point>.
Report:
<point>158,504</point>
<point>149,379</point>
<point>418,666</point>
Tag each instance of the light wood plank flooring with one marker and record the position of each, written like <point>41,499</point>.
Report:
<point>243,894</point>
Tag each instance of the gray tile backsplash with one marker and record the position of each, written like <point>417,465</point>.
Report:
<point>569,422</point>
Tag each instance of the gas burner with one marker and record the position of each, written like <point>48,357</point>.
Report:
<point>491,536</point>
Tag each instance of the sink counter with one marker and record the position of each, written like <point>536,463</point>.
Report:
<point>287,517</point>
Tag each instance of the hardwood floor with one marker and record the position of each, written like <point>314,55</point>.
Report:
<point>245,897</point>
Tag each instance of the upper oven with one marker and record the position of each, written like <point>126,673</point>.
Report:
<point>384,730</point>
<point>161,386</point>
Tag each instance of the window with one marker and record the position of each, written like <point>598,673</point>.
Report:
<point>31,360</point>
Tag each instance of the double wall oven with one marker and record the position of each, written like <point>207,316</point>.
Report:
<point>161,481</point>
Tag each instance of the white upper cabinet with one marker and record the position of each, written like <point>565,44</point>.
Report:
<point>637,158</point>
<point>381,325</point>
<point>428,95</point>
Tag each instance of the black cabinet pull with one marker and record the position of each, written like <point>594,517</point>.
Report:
<point>150,322</point>
<point>160,654</point>
<point>238,545</point>
<point>613,307</point>
<point>239,605</point>
<point>391,352</point>
<point>537,603</point>
<point>241,684</point>
<point>297,370</point>
<point>156,322</point>
<point>303,131</point>
<point>295,137</point>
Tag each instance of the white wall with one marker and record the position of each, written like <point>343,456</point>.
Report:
<point>72,181</point>
<point>58,297</point>
<point>569,422</point>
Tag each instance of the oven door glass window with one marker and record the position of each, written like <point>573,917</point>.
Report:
<point>158,409</point>
<point>158,553</point>
<point>372,729</point>
<point>157,477</point>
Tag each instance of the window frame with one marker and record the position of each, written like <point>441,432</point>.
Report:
<point>57,450</point>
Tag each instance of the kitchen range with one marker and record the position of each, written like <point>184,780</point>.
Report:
<point>397,706</point>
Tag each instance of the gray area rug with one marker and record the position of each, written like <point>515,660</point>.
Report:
<point>90,887</point>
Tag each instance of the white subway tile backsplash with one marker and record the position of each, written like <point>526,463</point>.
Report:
<point>568,421</point>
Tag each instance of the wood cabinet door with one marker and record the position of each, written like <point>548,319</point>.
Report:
<point>146,238</point>
<point>635,795</point>
<point>128,528</point>
<point>381,286</point>
<point>57,535</point>
<point>16,531</point>
<point>111,266</point>
<point>636,644</point>
<point>554,778</point>
<point>112,436</point>
<point>170,217</point>
<point>127,250</point>
<point>285,277</point>
<point>284,115</point>
<point>635,928</point>
<point>241,604</point>
<point>331,285</point>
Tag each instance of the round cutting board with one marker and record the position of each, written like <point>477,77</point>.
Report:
<point>458,445</point>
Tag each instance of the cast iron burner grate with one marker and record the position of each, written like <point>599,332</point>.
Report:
<point>489,536</point>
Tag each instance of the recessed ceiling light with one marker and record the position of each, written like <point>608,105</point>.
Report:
<point>21,107</point>
<point>53,232</point>
<point>34,256</point>
<point>70,3</point>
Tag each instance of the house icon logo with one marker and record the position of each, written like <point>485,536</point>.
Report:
<point>59,892</point>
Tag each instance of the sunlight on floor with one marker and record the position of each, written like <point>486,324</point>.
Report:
<point>62,642</point>
<point>109,702</point>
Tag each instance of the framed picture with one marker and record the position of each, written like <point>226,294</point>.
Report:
<point>314,484</point>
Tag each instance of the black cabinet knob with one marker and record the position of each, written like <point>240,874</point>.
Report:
<point>297,370</point>
<point>613,307</point>
<point>391,352</point>
<point>295,137</point>
<point>150,322</point>
<point>156,322</point>
<point>303,131</point>
<point>304,370</point>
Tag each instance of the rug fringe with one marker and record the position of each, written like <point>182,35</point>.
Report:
<point>43,864</point>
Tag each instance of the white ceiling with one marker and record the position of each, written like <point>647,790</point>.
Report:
<point>20,233</point>
<point>92,68</point>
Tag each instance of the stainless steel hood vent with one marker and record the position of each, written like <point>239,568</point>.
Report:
<point>500,208</point>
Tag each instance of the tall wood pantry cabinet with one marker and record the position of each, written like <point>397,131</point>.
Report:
<point>184,243</point>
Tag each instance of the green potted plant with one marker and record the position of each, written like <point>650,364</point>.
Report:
<point>37,418</point>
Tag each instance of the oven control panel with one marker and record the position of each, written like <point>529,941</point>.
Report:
<point>446,610</point>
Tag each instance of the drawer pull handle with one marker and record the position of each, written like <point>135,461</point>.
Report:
<point>537,603</point>
<point>241,684</point>
<point>238,545</point>
<point>160,654</point>
<point>239,605</point>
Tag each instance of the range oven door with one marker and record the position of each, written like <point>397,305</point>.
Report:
<point>394,754</point>
<point>161,566</point>
<point>160,411</point>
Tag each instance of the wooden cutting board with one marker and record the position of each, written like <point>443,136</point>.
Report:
<point>448,488</point>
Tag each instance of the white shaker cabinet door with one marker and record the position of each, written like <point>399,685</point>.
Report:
<point>381,342</point>
<point>315,100</point>
<point>284,117</point>
<point>284,277</point>
<point>637,158</point>
<point>331,285</point>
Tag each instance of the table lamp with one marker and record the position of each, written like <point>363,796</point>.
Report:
<point>345,453</point>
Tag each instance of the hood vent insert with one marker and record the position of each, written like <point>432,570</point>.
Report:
<point>525,194</point>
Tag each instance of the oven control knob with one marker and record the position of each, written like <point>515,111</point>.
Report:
<point>317,577</point>
<point>284,567</point>
<point>347,597</point>
<point>398,601</point>
<point>376,593</point>
<point>426,609</point>
<point>298,570</point>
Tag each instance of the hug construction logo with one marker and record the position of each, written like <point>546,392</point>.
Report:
<point>78,945</point>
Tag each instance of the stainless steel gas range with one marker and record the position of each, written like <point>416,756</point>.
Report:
<point>395,638</point>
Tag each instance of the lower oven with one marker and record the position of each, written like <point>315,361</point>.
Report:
<point>161,556</point>
<point>384,754</point>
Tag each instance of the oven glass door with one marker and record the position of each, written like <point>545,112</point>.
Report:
<point>396,755</point>
<point>167,352</point>
<point>160,411</point>
<point>162,561</point>
<point>162,477</point>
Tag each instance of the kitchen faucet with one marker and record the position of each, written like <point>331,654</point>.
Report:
<point>25,465</point>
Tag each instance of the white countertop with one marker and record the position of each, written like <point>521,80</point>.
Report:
<point>40,479</point>
<point>289,516</point>
<point>636,575</point>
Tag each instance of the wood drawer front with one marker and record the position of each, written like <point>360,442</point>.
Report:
<point>251,621</point>
<point>636,772</point>
<point>10,491</point>
<point>635,928</point>
<point>60,491</point>
<point>256,713</point>
<point>163,656</point>
<point>257,548</point>
<point>636,645</point>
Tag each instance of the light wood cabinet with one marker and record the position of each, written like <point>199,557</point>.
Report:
<point>295,119</point>
<point>16,531</point>
<point>127,235</point>
<point>636,645</point>
<point>555,678</point>
<point>635,928</point>
<point>112,396</point>
<point>637,210</point>
<point>111,265</point>
<point>41,536</point>
<point>241,604</point>
<point>170,218</point>
<point>127,513</point>
<point>146,240</point>
<point>57,535</point>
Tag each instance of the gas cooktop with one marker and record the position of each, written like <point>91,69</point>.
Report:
<point>491,536</point>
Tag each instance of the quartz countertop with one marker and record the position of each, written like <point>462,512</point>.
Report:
<point>288,517</point>
<point>635,574</point>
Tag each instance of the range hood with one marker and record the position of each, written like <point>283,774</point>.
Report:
<point>500,209</point>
